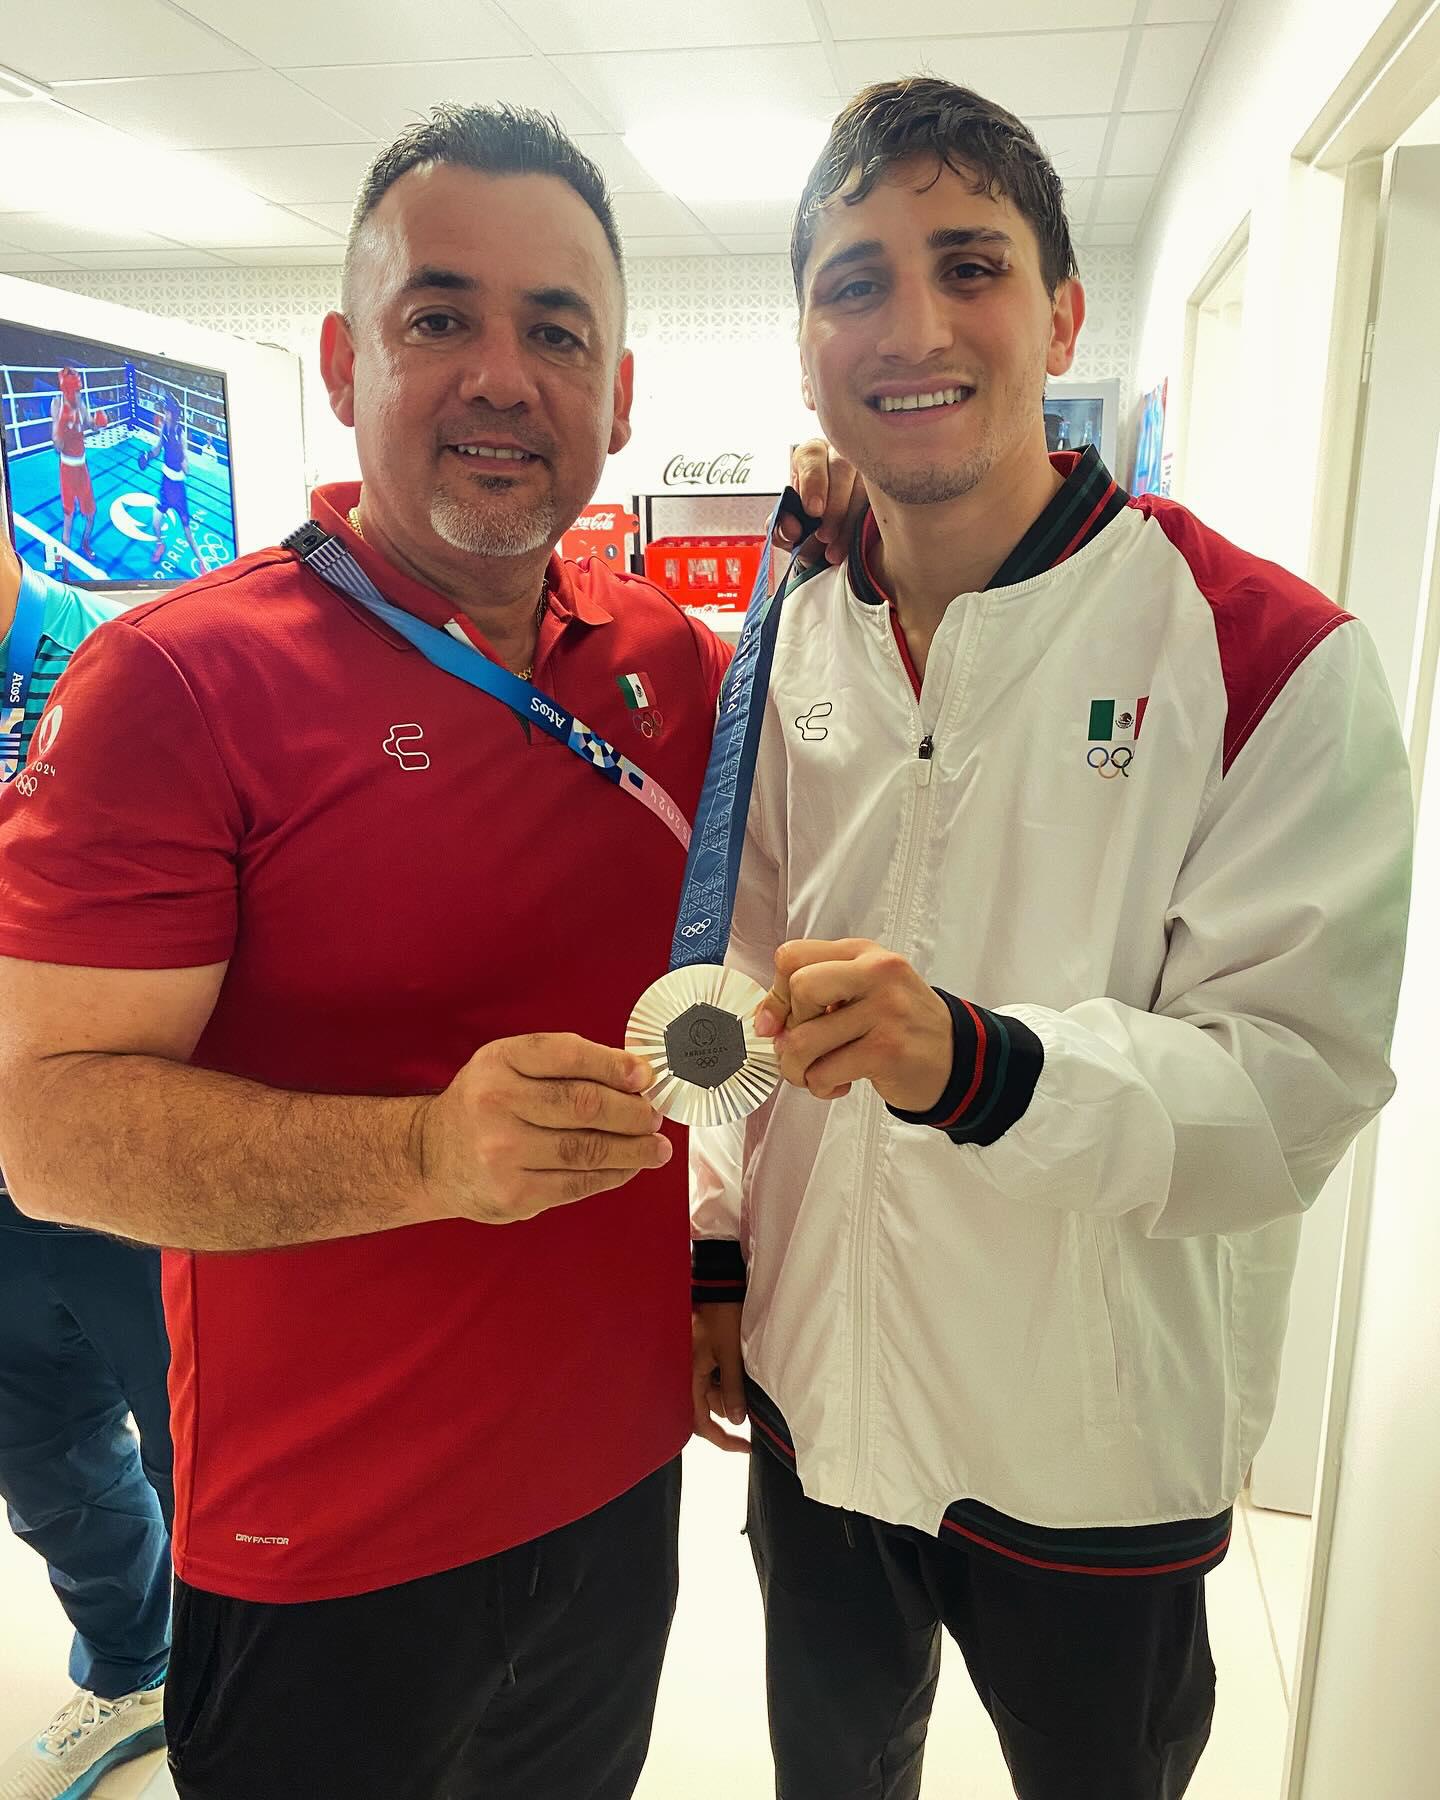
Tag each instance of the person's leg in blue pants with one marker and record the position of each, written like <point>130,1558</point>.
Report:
<point>82,1344</point>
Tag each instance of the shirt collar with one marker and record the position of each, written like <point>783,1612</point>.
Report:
<point>330,506</point>
<point>1083,507</point>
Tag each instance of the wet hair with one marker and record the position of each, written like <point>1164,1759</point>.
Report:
<point>922,118</point>
<point>493,140</point>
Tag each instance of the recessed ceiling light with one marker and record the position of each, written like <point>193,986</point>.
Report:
<point>730,156</point>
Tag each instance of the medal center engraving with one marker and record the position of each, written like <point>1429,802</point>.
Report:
<point>705,1045</point>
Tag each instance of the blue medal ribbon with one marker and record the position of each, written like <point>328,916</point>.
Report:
<point>20,655</point>
<point>712,870</point>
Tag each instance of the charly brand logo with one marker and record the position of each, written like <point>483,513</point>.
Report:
<point>808,724</point>
<point>401,745</point>
<point>1114,730</point>
<point>730,469</point>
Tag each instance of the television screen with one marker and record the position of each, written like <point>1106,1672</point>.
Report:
<point>117,465</point>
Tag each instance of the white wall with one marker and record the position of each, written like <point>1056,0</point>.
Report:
<point>1272,69</point>
<point>263,385</point>
<point>714,340</point>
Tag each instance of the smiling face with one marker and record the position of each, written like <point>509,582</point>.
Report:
<point>928,332</point>
<point>479,362</point>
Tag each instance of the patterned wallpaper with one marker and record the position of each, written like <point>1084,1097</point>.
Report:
<point>699,299</point>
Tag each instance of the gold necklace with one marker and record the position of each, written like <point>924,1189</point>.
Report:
<point>525,673</point>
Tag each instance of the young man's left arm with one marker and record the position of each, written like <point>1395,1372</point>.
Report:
<point>1226,1104</point>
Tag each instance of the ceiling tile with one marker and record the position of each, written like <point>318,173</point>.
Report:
<point>144,259</point>
<point>289,36</point>
<point>1073,144</point>
<point>1032,76</point>
<point>213,112</point>
<point>668,84</point>
<point>565,26</point>
<point>1175,12</point>
<point>44,231</point>
<point>638,248</point>
<point>1100,237</point>
<point>264,224</point>
<point>296,172</point>
<point>924,18</point>
<point>22,262</point>
<point>388,98</point>
<point>284,256</point>
<point>654,215</point>
<point>1166,67</point>
<point>76,40</point>
<point>1141,143</point>
<point>623,174</point>
<point>39,145</point>
<point>1078,195</point>
<point>1122,200</point>
<point>334,215</point>
<point>745,218</point>
<point>764,243</point>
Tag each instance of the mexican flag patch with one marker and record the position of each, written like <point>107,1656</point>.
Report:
<point>1110,719</point>
<point>636,689</point>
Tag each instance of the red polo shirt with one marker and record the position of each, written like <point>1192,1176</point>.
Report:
<point>254,770</point>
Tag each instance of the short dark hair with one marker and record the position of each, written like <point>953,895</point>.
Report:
<point>493,140</point>
<point>898,122</point>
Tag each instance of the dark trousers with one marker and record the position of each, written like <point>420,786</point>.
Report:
<point>530,1675</point>
<point>1099,1688</point>
<point>82,1343</point>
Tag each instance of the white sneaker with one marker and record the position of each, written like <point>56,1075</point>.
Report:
<point>85,1739</point>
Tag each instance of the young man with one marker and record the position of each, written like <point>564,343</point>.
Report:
<point>1078,859</point>
<point>82,1348</point>
<point>325,946</point>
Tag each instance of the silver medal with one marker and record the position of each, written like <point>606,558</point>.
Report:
<point>696,1029</point>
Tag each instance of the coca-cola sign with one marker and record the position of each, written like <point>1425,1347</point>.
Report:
<point>730,469</point>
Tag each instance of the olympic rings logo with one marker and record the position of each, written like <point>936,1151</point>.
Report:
<point>1109,762</point>
<point>698,929</point>
<point>26,783</point>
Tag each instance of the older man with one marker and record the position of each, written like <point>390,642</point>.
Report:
<point>314,979</point>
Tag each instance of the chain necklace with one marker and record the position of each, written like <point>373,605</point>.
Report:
<point>540,605</point>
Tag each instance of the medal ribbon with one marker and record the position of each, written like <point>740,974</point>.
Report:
<point>20,669</point>
<point>712,870</point>
<point>335,566</point>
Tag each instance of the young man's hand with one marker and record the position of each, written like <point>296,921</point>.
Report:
<point>830,491</point>
<point>850,1010</point>
<point>718,1374</point>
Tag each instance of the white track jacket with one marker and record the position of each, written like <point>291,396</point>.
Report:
<point>1163,822</point>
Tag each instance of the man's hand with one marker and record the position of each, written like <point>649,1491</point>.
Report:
<point>535,1122</point>
<point>849,1011</point>
<point>718,1375</point>
<point>830,491</point>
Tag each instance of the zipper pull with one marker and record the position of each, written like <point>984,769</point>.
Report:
<point>923,761</point>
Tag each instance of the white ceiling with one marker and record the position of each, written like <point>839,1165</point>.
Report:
<point>291,99</point>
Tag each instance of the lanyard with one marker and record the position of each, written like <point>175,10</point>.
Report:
<point>712,869</point>
<point>20,668</point>
<point>335,566</point>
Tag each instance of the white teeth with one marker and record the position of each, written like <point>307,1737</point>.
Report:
<point>492,450</point>
<point>919,402</point>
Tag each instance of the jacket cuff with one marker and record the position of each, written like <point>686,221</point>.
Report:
<point>717,1271</point>
<point>992,1081</point>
